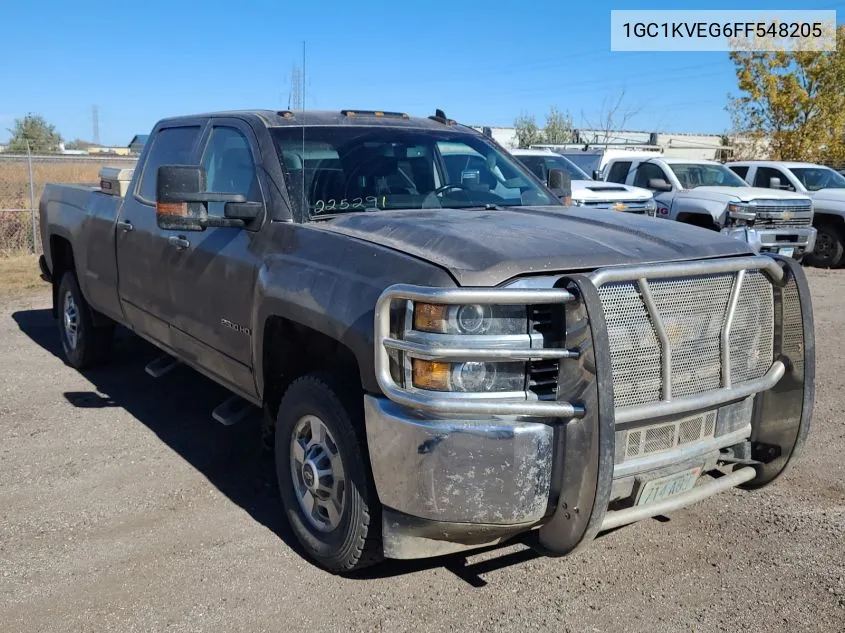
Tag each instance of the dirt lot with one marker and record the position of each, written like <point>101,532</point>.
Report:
<point>124,507</point>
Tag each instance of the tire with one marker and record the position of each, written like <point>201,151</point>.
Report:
<point>83,343</point>
<point>341,539</point>
<point>829,247</point>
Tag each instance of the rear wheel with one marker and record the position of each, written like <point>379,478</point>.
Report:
<point>324,482</point>
<point>829,247</point>
<point>83,343</point>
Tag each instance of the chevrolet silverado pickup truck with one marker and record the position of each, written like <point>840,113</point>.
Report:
<point>446,357</point>
<point>708,194</point>
<point>827,189</point>
<point>587,192</point>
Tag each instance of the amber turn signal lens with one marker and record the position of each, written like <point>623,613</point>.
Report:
<point>429,317</point>
<point>172,208</point>
<point>431,375</point>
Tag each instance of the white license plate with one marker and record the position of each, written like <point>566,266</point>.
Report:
<point>787,251</point>
<point>659,489</point>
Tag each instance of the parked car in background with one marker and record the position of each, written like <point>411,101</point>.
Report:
<point>824,185</point>
<point>708,194</point>
<point>593,160</point>
<point>587,192</point>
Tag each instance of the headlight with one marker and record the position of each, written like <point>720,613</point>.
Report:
<point>741,213</point>
<point>650,207</point>
<point>470,376</point>
<point>470,319</point>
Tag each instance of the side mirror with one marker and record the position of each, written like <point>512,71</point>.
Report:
<point>182,201</point>
<point>658,184</point>
<point>560,182</point>
<point>596,174</point>
<point>774,182</point>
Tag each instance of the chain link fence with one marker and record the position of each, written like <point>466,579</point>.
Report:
<point>22,180</point>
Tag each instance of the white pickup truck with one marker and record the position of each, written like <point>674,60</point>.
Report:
<point>824,185</point>
<point>587,192</point>
<point>708,194</point>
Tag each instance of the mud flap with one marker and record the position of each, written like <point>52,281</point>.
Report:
<point>781,418</point>
<point>582,471</point>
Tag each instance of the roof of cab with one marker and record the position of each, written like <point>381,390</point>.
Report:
<point>367,118</point>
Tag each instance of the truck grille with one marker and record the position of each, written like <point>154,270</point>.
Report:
<point>783,217</point>
<point>693,312</point>
<point>545,320</point>
<point>663,437</point>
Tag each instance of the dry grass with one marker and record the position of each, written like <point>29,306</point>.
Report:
<point>16,226</point>
<point>14,179</point>
<point>19,275</point>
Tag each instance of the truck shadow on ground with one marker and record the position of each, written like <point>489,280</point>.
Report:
<point>177,408</point>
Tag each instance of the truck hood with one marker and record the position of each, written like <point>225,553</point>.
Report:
<point>486,248</point>
<point>741,194</point>
<point>829,195</point>
<point>596,190</point>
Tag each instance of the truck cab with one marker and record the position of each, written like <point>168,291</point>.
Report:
<point>825,186</point>
<point>707,194</point>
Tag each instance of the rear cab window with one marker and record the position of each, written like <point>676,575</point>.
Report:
<point>170,146</point>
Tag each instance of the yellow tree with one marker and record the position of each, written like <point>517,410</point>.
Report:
<point>795,100</point>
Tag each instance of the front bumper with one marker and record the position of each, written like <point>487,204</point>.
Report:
<point>457,475</point>
<point>801,241</point>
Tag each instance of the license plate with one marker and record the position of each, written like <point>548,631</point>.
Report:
<point>787,251</point>
<point>659,489</point>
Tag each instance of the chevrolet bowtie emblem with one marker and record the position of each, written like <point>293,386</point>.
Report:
<point>619,206</point>
<point>788,215</point>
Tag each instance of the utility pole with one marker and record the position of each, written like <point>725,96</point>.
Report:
<point>95,116</point>
<point>303,74</point>
<point>295,94</point>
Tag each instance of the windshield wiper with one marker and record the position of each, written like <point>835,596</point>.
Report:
<point>481,207</point>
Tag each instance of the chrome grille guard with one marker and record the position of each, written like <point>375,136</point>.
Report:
<point>521,404</point>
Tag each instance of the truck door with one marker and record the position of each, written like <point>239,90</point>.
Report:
<point>213,272</point>
<point>142,249</point>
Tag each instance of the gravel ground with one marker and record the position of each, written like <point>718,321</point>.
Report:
<point>124,507</point>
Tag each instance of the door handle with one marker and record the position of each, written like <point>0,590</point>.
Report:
<point>123,225</point>
<point>179,242</point>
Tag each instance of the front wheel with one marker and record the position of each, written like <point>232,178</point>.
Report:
<point>324,482</point>
<point>829,248</point>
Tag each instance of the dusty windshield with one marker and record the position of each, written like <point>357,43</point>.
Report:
<point>816,178</point>
<point>346,169</point>
<point>692,175</point>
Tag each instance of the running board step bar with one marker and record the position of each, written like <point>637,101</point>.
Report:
<point>161,365</point>
<point>233,410</point>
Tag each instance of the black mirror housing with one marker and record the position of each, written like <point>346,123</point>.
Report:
<point>596,174</point>
<point>182,199</point>
<point>246,211</point>
<point>658,184</point>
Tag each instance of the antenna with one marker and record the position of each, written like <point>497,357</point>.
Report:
<point>95,117</point>
<point>303,74</point>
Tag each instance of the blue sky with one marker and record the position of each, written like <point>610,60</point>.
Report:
<point>482,62</point>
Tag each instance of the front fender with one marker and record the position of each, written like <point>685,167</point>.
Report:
<point>330,283</point>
